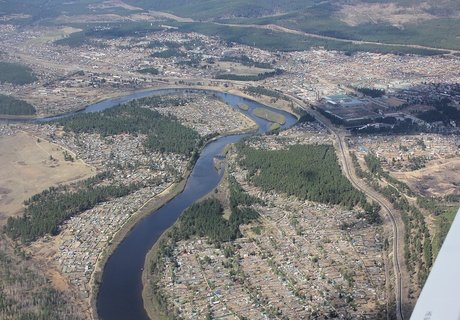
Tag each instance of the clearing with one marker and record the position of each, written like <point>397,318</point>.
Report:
<point>29,166</point>
<point>438,178</point>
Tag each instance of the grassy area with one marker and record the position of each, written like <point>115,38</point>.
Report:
<point>274,126</point>
<point>269,115</point>
<point>16,73</point>
<point>443,223</point>
<point>243,106</point>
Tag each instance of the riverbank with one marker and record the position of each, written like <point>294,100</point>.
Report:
<point>151,306</point>
<point>149,207</point>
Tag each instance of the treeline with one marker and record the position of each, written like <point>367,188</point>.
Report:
<point>417,241</point>
<point>25,293</point>
<point>258,77</point>
<point>153,71</point>
<point>46,211</point>
<point>304,116</point>
<point>107,31</point>
<point>13,106</point>
<point>371,92</point>
<point>444,112</point>
<point>16,73</point>
<point>259,90</point>
<point>246,61</point>
<point>205,219</point>
<point>169,53</point>
<point>310,172</point>
<point>374,166</point>
<point>164,133</point>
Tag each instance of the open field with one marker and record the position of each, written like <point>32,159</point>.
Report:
<point>269,115</point>
<point>428,164</point>
<point>438,178</point>
<point>28,167</point>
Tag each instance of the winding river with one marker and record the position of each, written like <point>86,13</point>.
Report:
<point>120,293</point>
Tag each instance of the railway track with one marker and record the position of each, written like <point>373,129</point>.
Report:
<point>375,196</point>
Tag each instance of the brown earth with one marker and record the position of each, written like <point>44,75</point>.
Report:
<point>28,167</point>
<point>438,178</point>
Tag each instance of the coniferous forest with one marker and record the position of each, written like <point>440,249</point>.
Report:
<point>164,133</point>
<point>310,172</point>
<point>13,106</point>
<point>46,211</point>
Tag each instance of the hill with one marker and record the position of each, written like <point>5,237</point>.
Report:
<point>429,23</point>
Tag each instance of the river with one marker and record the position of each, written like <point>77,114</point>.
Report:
<point>120,293</point>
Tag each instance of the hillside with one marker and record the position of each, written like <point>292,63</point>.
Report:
<point>428,23</point>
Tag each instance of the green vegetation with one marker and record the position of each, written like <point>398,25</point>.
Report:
<point>16,73</point>
<point>169,53</point>
<point>418,249</point>
<point>107,31</point>
<point>274,126</point>
<point>259,90</point>
<point>212,9</point>
<point>269,115</point>
<point>310,172</point>
<point>43,10</point>
<point>12,106</point>
<point>282,41</point>
<point>242,77</point>
<point>444,111</point>
<point>371,92</point>
<point>243,106</point>
<point>246,61</point>
<point>25,292</point>
<point>304,116</point>
<point>164,133</point>
<point>443,223</point>
<point>205,218</point>
<point>46,211</point>
<point>324,19</point>
<point>153,71</point>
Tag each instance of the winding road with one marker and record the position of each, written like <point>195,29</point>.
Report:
<point>401,288</point>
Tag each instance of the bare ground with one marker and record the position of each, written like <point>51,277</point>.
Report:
<point>28,167</point>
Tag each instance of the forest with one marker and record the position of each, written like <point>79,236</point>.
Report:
<point>246,61</point>
<point>25,293</point>
<point>16,73</point>
<point>153,71</point>
<point>259,90</point>
<point>12,106</point>
<point>46,211</point>
<point>310,172</point>
<point>164,133</point>
<point>443,111</point>
<point>205,218</point>
<point>371,92</point>
<point>257,77</point>
<point>304,116</point>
